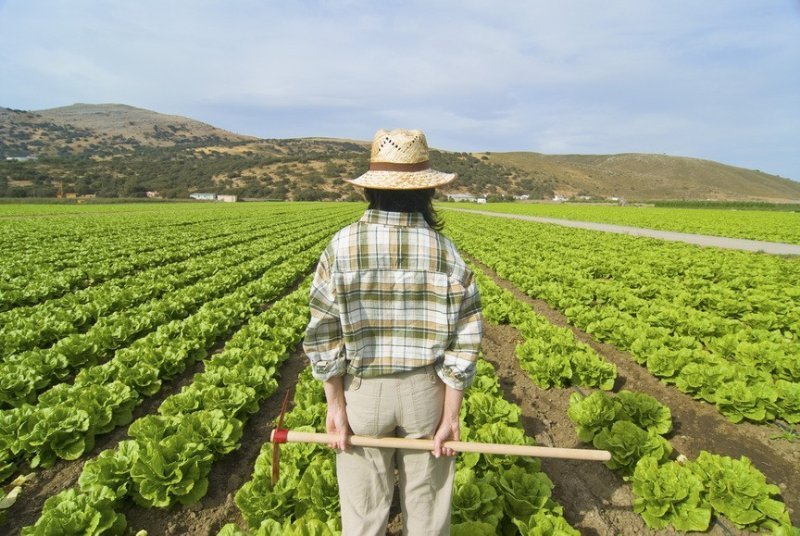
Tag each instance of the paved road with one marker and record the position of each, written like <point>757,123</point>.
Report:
<point>775,248</point>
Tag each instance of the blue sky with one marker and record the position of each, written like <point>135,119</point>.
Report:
<point>716,79</point>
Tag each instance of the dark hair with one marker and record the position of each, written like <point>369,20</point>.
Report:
<point>405,201</point>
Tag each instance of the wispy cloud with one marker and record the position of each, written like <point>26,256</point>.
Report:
<point>712,79</point>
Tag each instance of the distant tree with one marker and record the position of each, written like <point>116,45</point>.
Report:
<point>315,179</point>
<point>133,188</point>
<point>353,196</point>
<point>17,191</point>
<point>175,193</point>
<point>308,194</point>
<point>280,192</point>
<point>109,189</point>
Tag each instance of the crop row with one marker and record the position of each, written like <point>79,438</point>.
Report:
<point>169,456</point>
<point>633,426</point>
<point>492,494</point>
<point>99,220</point>
<point>63,238</point>
<point>760,290</point>
<point>682,493</point>
<point>34,371</point>
<point>67,240</point>
<point>757,381</point>
<point>550,355</point>
<point>24,328</point>
<point>67,417</point>
<point>748,224</point>
<point>26,278</point>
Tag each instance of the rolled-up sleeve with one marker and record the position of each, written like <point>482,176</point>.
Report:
<point>458,367</point>
<point>324,343</point>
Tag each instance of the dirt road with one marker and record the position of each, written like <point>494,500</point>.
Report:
<point>775,248</point>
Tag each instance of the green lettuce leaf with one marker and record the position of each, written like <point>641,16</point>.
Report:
<point>524,493</point>
<point>111,469</point>
<point>318,491</point>
<point>592,413</point>
<point>70,512</point>
<point>788,402</point>
<point>475,499</point>
<point>473,528</point>
<point>739,401</point>
<point>645,412</point>
<point>479,409</point>
<point>628,444</point>
<point>739,491</point>
<point>545,524</point>
<point>175,468</point>
<point>669,494</point>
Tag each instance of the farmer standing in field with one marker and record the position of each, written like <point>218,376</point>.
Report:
<point>394,334</point>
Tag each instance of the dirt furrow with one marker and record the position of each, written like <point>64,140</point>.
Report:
<point>64,474</point>
<point>697,425</point>
<point>228,474</point>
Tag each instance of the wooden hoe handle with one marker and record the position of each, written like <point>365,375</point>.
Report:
<point>458,446</point>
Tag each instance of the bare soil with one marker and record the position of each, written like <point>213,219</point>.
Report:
<point>227,475</point>
<point>591,493</point>
<point>45,483</point>
<point>595,499</point>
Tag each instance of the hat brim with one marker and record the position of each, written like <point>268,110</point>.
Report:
<point>403,180</point>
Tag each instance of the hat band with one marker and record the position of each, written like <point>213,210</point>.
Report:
<point>391,166</point>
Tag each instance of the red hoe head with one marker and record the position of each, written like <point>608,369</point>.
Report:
<point>277,437</point>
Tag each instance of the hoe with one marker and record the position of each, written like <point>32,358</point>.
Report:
<point>281,435</point>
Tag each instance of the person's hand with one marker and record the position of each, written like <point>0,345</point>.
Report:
<point>336,423</point>
<point>336,419</point>
<point>449,430</point>
<point>449,427</point>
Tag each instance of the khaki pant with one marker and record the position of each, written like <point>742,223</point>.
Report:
<point>409,405</point>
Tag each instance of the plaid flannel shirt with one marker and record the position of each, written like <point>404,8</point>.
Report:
<point>391,294</point>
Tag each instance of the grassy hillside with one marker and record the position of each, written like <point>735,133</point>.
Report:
<point>649,176</point>
<point>100,129</point>
<point>114,150</point>
<point>121,151</point>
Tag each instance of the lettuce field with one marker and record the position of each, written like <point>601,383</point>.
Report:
<point>145,350</point>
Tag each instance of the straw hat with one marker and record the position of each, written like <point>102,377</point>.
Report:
<point>399,161</point>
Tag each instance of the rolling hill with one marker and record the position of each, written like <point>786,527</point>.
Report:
<point>115,150</point>
<point>92,127</point>
<point>652,176</point>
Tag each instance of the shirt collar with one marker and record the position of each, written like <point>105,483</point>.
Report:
<point>397,219</point>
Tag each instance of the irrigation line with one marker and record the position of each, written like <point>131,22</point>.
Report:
<point>722,526</point>
<point>579,391</point>
<point>784,426</point>
<point>790,432</point>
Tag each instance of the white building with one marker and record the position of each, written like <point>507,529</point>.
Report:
<point>461,197</point>
<point>466,197</point>
<point>203,196</point>
<point>228,198</point>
